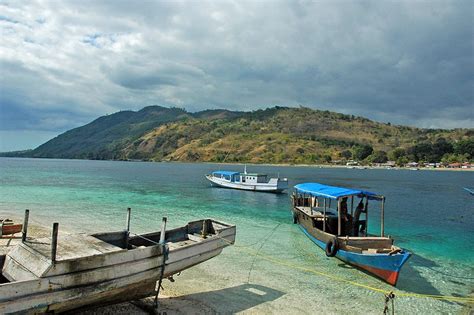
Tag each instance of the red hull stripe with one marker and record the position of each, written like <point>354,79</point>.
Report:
<point>388,275</point>
<point>11,229</point>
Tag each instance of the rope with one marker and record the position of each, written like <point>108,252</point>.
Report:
<point>263,243</point>
<point>460,299</point>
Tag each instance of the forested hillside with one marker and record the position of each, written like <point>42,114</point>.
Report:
<point>274,135</point>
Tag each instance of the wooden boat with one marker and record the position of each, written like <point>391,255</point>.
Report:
<point>7,227</point>
<point>77,270</point>
<point>247,181</point>
<point>323,214</point>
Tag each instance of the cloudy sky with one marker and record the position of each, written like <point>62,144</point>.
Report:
<point>64,63</point>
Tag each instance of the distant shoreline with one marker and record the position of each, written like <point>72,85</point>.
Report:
<point>267,164</point>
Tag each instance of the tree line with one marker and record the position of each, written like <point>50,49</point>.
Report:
<point>424,152</point>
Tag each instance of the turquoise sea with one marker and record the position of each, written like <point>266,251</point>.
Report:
<point>427,212</point>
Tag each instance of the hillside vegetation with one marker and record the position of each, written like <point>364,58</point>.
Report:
<point>274,135</point>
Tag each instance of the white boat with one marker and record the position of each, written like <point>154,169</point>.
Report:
<point>57,274</point>
<point>247,181</point>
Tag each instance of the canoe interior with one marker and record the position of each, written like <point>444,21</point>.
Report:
<point>103,267</point>
<point>207,227</point>
<point>2,278</point>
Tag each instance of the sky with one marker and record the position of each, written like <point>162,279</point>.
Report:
<point>65,63</point>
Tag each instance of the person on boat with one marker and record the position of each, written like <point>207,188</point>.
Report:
<point>359,209</point>
<point>345,217</point>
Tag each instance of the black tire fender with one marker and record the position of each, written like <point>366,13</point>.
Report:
<point>295,218</point>
<point>331,248</point>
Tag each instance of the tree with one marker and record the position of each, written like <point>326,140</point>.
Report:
<point>419,152</point>
<point>401,161</point>
<point>327,158</point>
<point>378,157</point>
<point>454,158</point>
<point>361,152</point>
<point>465,147</point>
<point>430,152</point>
<point>439,149</point>
<point>397,153</point>
<point>346,154</point>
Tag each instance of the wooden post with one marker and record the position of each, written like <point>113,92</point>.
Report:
<point>382,217</point>
<point>54,242</point>
<point>163,261</point>
<point>127,232</point>
<point>352,206</point>
<point>204,229</point>
<point>324,221</point>
<point>25,225</point>
<point>163,230</point>
<point>367,216</point>
<point>339,216</point>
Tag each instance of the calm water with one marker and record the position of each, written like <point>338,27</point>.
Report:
<point>427,213</point>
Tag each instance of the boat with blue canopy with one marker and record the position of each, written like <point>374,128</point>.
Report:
<point>247,181</point>
<point>337,218</point>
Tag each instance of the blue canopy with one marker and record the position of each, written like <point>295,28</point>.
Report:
<point>225,173</point>
<point>332,192</point>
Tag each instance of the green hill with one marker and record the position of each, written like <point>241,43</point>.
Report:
<point>274,135</point>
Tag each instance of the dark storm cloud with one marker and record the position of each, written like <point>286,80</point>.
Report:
<point>404,62</point>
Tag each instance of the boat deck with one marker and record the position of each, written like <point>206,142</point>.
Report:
<point>72,246</point>
<point>316,212</point>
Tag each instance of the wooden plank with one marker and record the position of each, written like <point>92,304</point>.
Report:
<point>61,300</point>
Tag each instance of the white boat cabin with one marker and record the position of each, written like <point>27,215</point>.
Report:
<point>237,177</point>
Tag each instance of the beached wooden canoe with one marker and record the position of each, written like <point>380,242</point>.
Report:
<point>87,270</point>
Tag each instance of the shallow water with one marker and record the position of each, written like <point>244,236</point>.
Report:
<point>427,212</point>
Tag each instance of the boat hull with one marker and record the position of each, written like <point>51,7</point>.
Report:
<point>100,279</point>
<point>261,187</point>
<point>131,287</point>
<point>385,266</point>
<point>11,229</point>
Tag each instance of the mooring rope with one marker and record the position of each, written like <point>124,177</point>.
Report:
<point>460,299</point>
<point>261,245</point>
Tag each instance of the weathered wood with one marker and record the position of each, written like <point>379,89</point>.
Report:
<point>137,285</point>
<point>25,225</point>
<point>366,216</point>
<point>382,219</point>
<point>54,241</point>
<point>104,272</point>
<point>204,229</point>
<point>164,257</point>
<point>325,218</point>
<point>339,216</point>
<point>127,231</point>
<point>352,206</point>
